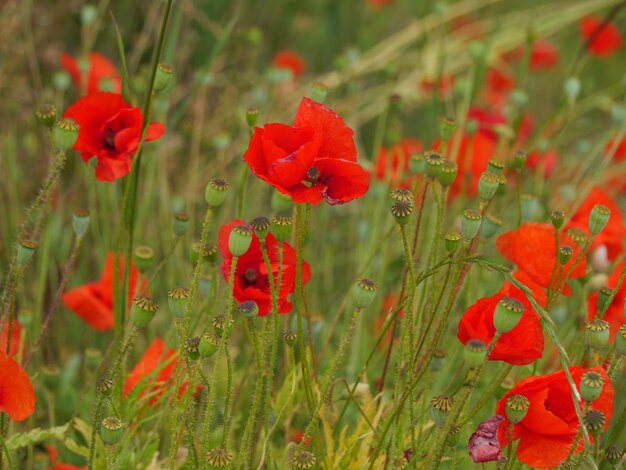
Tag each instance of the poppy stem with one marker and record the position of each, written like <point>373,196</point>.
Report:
<point>5,448</point>
<point>94,430</point>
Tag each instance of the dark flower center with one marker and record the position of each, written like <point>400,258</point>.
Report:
<point>109,139</point>
<point>250,275</point>
<point>313,174</point>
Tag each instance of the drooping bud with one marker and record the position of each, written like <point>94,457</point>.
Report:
<point>261,226</point>
<point>177,300</point>
<point>239,240</point>
<point>598,218</point>
<point>143,310</point>
<point>474,353</point>
<point>557,217</point>
<point>290,336</point>
<point>490,226</point>
<point>516,407</point>
<point>403,195</point>
<point>591,385</point>
<point>597,333</point>
<point>470,223</point>
<point>192,347</point>
<point>222,324</point>
<point>80,222</point>
<point>248,309</point>
<point>620,340</point>
<point>507,314</point>
<point>218,458</point>
<point>46,115</point>
<point>209,343</point>
<point>111,430</point>
<point>252,115</point>
<point>303,459</point>
<point>434,162</point>
<point>441,407</point>
<point>282,226</point>
<point>104,385</point>
<point>65,134</point>
<point>216,192</point>
<point>565,254</point>
<point>613,454</point>
<point>495,166</point>
<point>519,159</point>
<point>181,223</point>
<point>446,128</point>
<point>363,293</point>
<point>402,211</point>
<point>164,78</point>
<point>487,186</point>
<point>594,420</point>
<point>25,251</point>
<point>447,174</point>
<point>452,241</point>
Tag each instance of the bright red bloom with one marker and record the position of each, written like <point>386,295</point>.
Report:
<point>532,247</point>
<point>93,302</point>
<point>500,82</point>
<point>523,344</point>
<point>17,397</point>
<point>16,335</point>
<point>53,454</point>
<point>110,130</point>
<point>546,161</point>
<point>612,237</point>
<point>251,275</point>
<point>394,170</point>
<point>289,60</point>
<point>443,86</point>
<point>475,152</point>
<point>615,313</point>
<point>101,73</point>
<point>313,160</point>
<point>543,55</point>
<point>606,42</point>
<point>550,427</point>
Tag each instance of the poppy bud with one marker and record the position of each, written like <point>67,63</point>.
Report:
<point>215,192</point>
<point>613,454</point>
<point>164,78</point>
<point>25,251</point>
<point>303,459</point>
<point>598,218</point>
<point>402,210</point>
<point>46,115</point>
<point>490,226</point>
<point>487,186</point>
<point>80,222</point>
<point>452,241</point>
<point>144,257</point>
<point>578,236</point>
<point>222,325</point>
<point>591,385</point>
<point>516,407</point>
<point>290,336</point>
<point>597,333</point>
<point>447,174</point>
<point>403,195</point>
<point>446,128</point>
<point>192,346</point>
<point>143,310</point>
<point>93,358</point>
<point>261,226</point>
<point>104,385</point>
<point>319,92</point>
<point>474,353</point>
<point>417,164</point>
<point>565,253</point>
<point>441,407</point>
<point>181,222</point>
<point>111,430</point>
<point>239,240</point>
<point>603,298</point>
<point>557,217</point>
<point>65,134</point>
<point>282,227</point>
<point>507,314</point>
<point>470,223</point>
<point>530,206</point>
<point>252,115</point>
<point>177,300</point>
<point>209,343</point>
<point>248,309</point>
<point>434,162</point>
<point>519,159</point>
<point>281,202</point>
<point>218,458</point>
<point>571,87</point>
<point>363,293</point>
<point>594,420</point>
<point>495,167</point>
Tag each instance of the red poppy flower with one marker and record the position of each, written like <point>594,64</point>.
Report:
<point>443,86</point>
<point>474,154</point>
<point>543,55</point>
<point>17,397</point>
<point>615,313</point>
<point>313,160</point>
<point>16,336</point>
<point>289,60</point>
<point>612,237</point>
<point>110,130</point>
<point>251,275</point>
<point>101,73</point>
<point>394,170</point>
<point>532,248</point>
<point>545,161</point>
<point>500,82</point>
<point>547,432</point>
<point>53,454</point>
<point>606,42</point>
<point>93,302</point>
<point>523,344</point>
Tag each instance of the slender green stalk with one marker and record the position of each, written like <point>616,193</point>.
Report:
<point>94,430</point>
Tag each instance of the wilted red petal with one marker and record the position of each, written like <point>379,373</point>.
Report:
<point>483,445</point>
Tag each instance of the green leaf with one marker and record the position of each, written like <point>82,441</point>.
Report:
<point>34,436</point>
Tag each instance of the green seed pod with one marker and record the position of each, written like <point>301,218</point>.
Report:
<point>557,217</point>
<point>441,405</point>
<point>25,251</point>
<point>447,174</point>
<point>490,226</point>
<point>453,438</point>
<point>303,459</point>
<point>65,134</point>
<point>519,159</point>
<point>597,333</point>
<point>495,166</point>
<point>603,298</point>
<point>164,78</point>
<point>402,211</point>
<point>417,164</point>
<point>80,222</point>
<point>209,343</point>
<point>222,324</point>
<point>402,195</point>
<point>282,226</point>
<point>565,254</point>
<point>181,223</point>
<point>591,385</point>
<point>470,223</point>
<point>144,257</point>
<point>319,92</point>
<point>613,454</point>
<point>578,236</point>
<point>218,458</point>
<point>93,358</point>
<point>452,241</point>
<point>50,375</point>
<point>248,309</point>
<point>594,420</point>
<point>598,218</point>
<point>363,293</point>
<point>261,226</point>
<point>474,353</point>
<point>446,128</point>
<point>488,184</point>
<point>290,336</point>
<point>192,347</point>
<point>177,300</point>
<point>215,192</point>
<point>434,162</point>
<point>502,181</point>
<point>252,116</point>
<point>516,407</point>
<point>438,360</point>
<point>46,115</point>
<point>143,310</point>
<point>239,240</point>
<point>281,202</point>
<point>530,206</point>
<point>104,385</point>
<point>507,314</point>
<point>111,430</point>
<point>620,340</point>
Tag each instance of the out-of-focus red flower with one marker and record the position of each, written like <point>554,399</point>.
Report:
<point>606,42</point>
<point>251,275</point>
<point>394,170</point>
<point>16,335</point>
<point>474,154</point>
<point>53,455</point>
<point>523,344</point>
<point>93,302</point>
<point>101,74</point>
<point>543,55</point>
<point>615,313</point>
<point>550,427</point>
<point>532,247</point>
<point>546,161</point>
<point>17,397</point>
<point>289,60</point>
<point>467,26</point>
<point>612,237</point>
<point>500,81</point>
<point>442,87</point>
<point>110,130</point>
<point>296,436</point>
<point>311,161</point>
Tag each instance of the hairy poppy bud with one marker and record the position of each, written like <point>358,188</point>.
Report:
<point>490,226</point>
<point>248,309</point>
<point>613,454</point>
<point>434,162</point>
<point>104,385</point>
<point>282,226</point>
<point>519,159</point>
<point>80,222</point>
<point>446,128</point>
<point>25,251</point>
<point>507,314</point>
<point>143,310</point>
<point>111,430</point>
<point>557,217</point>
<point>363,293</point>
<point>239,240</point>
<point>164,78</point>
<point>620,341</point>
<point>441,405</point>
<point>487,186</point>
<point>65,134</point>
<point>209,343</point>
<point>565,253</point>
<point>290,336</point>
<point>470,223</point>
<point>261,226</point>
<point>215,192</point>
<point>402,211</point>
<point>181,223</point>
<point>594,420</point>
<point>222,324</point>
<point>452,241</point>
<point>598,218</point>
<point>192,347</point>
<point>46,115</point>
<point>597,333</point>
<point>252,116</point>
<point>516,407</point>
<point>447,174</point>
<point>303,459</point>
<point>495,166</point>
<point>177,300</point>
<point>402,195</point>
<point>591,385</point>
<point>218,458</point>
<point>474,353</point>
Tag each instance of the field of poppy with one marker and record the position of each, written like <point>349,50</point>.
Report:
<point>360,234</point>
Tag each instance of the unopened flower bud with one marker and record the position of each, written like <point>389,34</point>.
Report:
<point>507,314</point>
<point>261,226</point>
<point>143,310</point>
<point>239,240</point>
<point>215,192</point>
<point>282,226</point>
<point>434,162</point>
<point>474,353</point>
<point>402,211</point>
<point>164,78</point>
<point>46,115</point>
<point>25,251</point>
<point>557,217</point>
<point>598,218</point>
<point>65,134</point>
<point>591,385</point>
<point>448,173</point>
<point>209,343</point>
<point>177,300</point>
<point>452,241</point>
<point>441,406</point>
<point>597,333</point>
<point>363,293</point>
<point>252,115</point>
<point>111,430</point>
<point>470,223</point>
<point>248,309</point>
<point>516,407</point>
